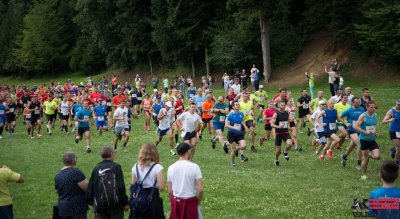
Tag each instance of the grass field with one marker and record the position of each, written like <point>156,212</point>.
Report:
<point>303,187</point>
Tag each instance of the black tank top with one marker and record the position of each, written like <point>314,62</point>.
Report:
<point>282,118</point>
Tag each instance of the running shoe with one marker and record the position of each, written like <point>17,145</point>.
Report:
<point>344,160</point>
<point>1,137</point>
<point>32,137</point>
<point>253,149</point>
<point>321,157</point>
<point>200,136</point>
<point>286,154</point>
<point>176,145</point>
<point>364,177</point>
<point>77,139</point>
<point>358,166</point>
<point>226,147</point>
<point>261,141</point>
<point>393,152</point>
<point>213,143</point>
<point>39,135</point>
<point>88,150</point>
<point>233,164</point>
<point>276,163</point>
<point>308,132</point>
<point>314,142</point>
<point>330,154</point>
<point>245,159</point>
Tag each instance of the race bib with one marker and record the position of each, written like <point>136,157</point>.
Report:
<point>371,128</point>
<point>1,112</point>
<point>11,110</point>
<point>332,126</point>
<point>139,98</point>
<point>248,112</point>
<point>28,116</point>
<point>305,106</point>
<point>397,134</point>
<point>25,105</point>
<point>109,104</point>
<point>100,118</point>
<point>209,113</point>
<point>48,108</point>
<point>222,119</point>
<point>354,123</point>
<point>292,115</point>
<point>284,124</point>
<point>65,113</point>
<point>37,111</point>
<point>103,103</point>
<point>237,125</point>
<point>230,102</point>
<point>85,117</point>
<point>261,98</point>
<point>199,104</point>
<point>133,95</point>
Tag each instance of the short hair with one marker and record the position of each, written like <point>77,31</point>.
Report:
<point>282,89</point>
<point>389,171</point>
<point>69,158</point>
<point>106,152</point>
<point>354,98</point>
<point>364,89</point>
<point>370,102</point>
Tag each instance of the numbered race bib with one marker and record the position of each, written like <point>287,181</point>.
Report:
<point>305,106</point>
<point>134,96</point>
<point>292,115</point>
<point>248,112</point>
<point>100,118</point>
<point>230,102</point>
<point>65,113</point>
<point>354,123</point>
<point>200,104</point>
<point>85,117</point>
<point>37,111</point>
<point>48,108</point>
<point>1,112</point>
<point>332,126</point>
<point>103,103</point>
<point>237,125</point>
<point>109,104</point>
<point>28,116</point>
<point>25,105</point>
<point>371,128</point>
<point>209,113</point>
<point>261,98</point>
<point>397,134</point>
<point>11,110</point>
<point>139,98</point>
<point>284,124</point>
<point>222,119</point>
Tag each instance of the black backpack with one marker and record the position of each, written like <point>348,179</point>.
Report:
<point>139,200</point>
<point>107,192</point>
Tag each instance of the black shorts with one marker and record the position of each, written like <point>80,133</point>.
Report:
<point>139,102</point>
<point>60,115</point>
<point>235,137</point>
<point>82,130</point>
<point>34,119</point>
<point>250,123</point>
<point>368,145</point>
<point>261,106</point>
<point>281,137</point>
<point>108,109</point>
<point>352,132</point>
<point>206,121</point>
<point>330,133</point>
<point>267,127</point>
<point>292,124</point>
<point>304,113</point>
<point>10,117</point>
<point>393,136</point>
<point>64,117</point>
<point>50,117</point>
<point>189,136</point>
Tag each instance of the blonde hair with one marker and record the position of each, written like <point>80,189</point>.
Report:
<point>148,154</point>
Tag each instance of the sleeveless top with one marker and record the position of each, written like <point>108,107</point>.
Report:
<point>369,124</point>
<point>330,120</point>
<point>282,119</point>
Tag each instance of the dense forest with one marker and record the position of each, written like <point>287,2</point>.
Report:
<point>55,36</point>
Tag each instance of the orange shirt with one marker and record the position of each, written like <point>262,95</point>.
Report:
<point>115,100</point>
<point>207,105</point>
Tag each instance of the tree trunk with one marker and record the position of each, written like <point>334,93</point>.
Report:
<point>206,59</point>
<point>151,65</point>
<point>193,69</point>
<point>265,45</point>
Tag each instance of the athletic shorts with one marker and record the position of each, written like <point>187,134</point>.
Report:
<point>292,124</point>
<point>206,121</point>
<point>267,127</point>
<point>1,120</point>
<point>65,117</point>
<point>101,123</point>
<point>60,115</point>
<point>50,117</point>
<point>340,124</point>
<point>235,137</point>
<point>329,133</point>
<point>162,132</point>
<point>189,135</point>
<point>281,137</point>
<point>368,145</point>
<point>261,106</point>
<point>352,132</point>
<point>393,136</point>
<point>302,113</point>
<point>218,126</point>
<point>82,130</point>
<point>250,123</point>
<point>34,119</point>
<point>134,102</point>
<point>10,117</point>
<point>321,137</point>
<point>118,129</point>
<point>108,109</point>
<point>139,102</point>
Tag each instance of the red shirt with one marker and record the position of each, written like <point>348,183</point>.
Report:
<point>94,96</point>
<point>268,114</point>
<point>44,97</point>
<point>115,100</point>
<point>19,94</point>
<point>179,103</point>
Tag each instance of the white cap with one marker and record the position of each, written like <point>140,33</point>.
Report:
<point>155,90</point>
<point>321,102</point>
<point>168,103</point>
<point>261,86</point>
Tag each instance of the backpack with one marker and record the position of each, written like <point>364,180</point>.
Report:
<point>139,200</point>
<point>106,196</point>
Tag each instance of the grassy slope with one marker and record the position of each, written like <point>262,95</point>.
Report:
<point>304,187</point>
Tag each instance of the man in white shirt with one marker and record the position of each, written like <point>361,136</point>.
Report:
<point>187,122</point>
<point>185,185</point>
<point>332,76</point>
<point>164,127</point>
<point>350,96</point>
<point>236,87</point>
<point>121,125</point>
<point>336,98</point>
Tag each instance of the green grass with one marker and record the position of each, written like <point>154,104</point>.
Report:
<point>304,187</point>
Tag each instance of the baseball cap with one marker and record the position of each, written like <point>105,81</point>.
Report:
<point>168,103</point>
<point>321,102</point>
<point>183,148</point>
<point>261,86</point>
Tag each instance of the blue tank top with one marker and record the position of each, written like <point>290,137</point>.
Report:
<point>191,92</point>
<point>330,120</point>
<point>369,124</point>
<point>395,125</point>
<point>157,108</point>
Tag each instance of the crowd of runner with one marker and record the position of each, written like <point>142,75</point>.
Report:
<point>182,111</point>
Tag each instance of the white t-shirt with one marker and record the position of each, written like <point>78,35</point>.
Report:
<point>188,121</point>
<point>165,122</point>
<point>183,175</point>
<point>332,77</point>
<point>335,99</point>
<point>349,99</point>
<point>151,178</point>
<point>119,112</point>
<point>317,126</point>
<point>236,88</point>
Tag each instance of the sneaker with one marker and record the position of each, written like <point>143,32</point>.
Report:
<point>1,137</point>
<point>344,160</point>
<point>172,153</point>
<point>233,164</point>
<point>358,166</point>
<point>253,149</point>
<point>392,152</point>
<point>88,150</point>
<point>213,143</point>
<point>301,132</point>
<point>39,135</point>
<point>364,177</point>
<point>67,133</point>
<point>308,132</point>
<point>321,157</point>
<point>286,155</point>
<point>300,149</point>
<point>226,147</point>
<point>276,163</point>
<point>261,141</point>
<point>245,159</point>
<point>32,137</point>
<point>125,150</point>
<point>330,154</point>
<point>145,127</point>
<point>314,142</point>
<point>77,139</point>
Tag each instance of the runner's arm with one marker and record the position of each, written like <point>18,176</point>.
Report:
<point>388,117</point>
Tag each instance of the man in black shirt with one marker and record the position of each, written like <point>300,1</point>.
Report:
<point>280,121</point>
<point>35,109</point>
<point>303,103</point>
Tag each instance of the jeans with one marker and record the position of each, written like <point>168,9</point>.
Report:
<point>256,85</point>
<point>335,88</point>
<point>332,89</point>
<point>6,212</point>
<point>166,90</point>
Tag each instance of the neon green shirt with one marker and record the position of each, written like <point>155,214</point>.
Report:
<point>261,96</point>
<point>341,108</point>
<point>246,108</point>
<point>50,107</point>
<point>314,103</point>
<point>6,176</point>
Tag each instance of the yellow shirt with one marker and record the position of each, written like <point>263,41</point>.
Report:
<point>6,175</point>
<point>50,107</point>
<point>261,96</point>
<point>341,108</point>
<point>246,108</point>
